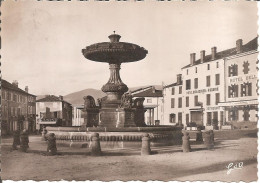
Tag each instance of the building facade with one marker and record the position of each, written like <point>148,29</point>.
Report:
<point>213,87</point>
<point>153,104</point>
<point>18,108</point>
<point>53,111</point>
<point>77,115</point>
<point>241,70</point>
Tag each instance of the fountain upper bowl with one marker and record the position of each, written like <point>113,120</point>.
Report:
<point>114,52</point>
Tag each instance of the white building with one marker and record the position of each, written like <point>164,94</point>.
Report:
<point>241,99</point>
<point>205,86</point>
<point>153,104</point>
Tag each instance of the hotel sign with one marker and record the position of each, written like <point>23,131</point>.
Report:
<point>241,79</point>
<point>202,91</point>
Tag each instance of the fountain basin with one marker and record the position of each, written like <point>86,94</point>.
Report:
<point>110,138</point>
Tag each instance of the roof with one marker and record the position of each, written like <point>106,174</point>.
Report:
<point>7,85</point>
<point>150,92</point>
<point>250,46</point>
<point>173,84</point>
<point>51,98</point>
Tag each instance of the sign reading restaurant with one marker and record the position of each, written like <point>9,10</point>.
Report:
<point>239,79</point>
<point>202,91</point>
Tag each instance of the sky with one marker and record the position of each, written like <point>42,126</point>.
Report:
<point>42,40</point>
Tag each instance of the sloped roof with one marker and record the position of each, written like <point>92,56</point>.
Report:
<point>151,92</point>
<point>51,98</point>
<point>250,46</point>
<point>7,85</point>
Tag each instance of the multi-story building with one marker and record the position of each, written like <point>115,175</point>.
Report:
<point>53,111</point>
<point>18,108</point>
<point>241,99</point>
<point>152,104</point>
<point>210,83</point>
<point>172,106</point>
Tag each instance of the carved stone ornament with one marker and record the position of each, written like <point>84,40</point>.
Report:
<point>89,102</point>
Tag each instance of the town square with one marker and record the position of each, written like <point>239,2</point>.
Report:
<point>91,93</point>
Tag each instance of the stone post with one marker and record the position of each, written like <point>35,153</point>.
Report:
<point>146,150</point>
<point>44,132</point>
<point>207,140</point>
<point>186,142</point>
<point>199,137</point>
<point>16,139</point>
<point>212,138</point>
<point>51,149</point>
<point>24,141</point>
<point>95,145</point>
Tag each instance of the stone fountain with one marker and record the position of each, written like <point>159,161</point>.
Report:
<point>117,109</point>
<point>117,117</point>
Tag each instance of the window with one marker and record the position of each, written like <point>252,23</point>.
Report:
<point>246,115</point>
<point>233,91</point>
<point>173,90</point>
<point>208,67</point>
<point>208,99</point>
<point>246,67</point>
<point>187,101</point>
<point>187,119</point>
<point>233,114</point>
<point>209,118</point>
<point>196,69</point>
<point>196,100</point>
<point>195,83</point>
<point>180,89</point>
<point>149,100</point>
<point>179,102</point>
<point>188,84</point>
<point>232,70</point>
<point>217,79</point>
<point>217,96</point>
<point>3,95</point>
<point>208,81</point>
<point>179,118</point>
<point>217,65</point>
<point>172,118</point>
<point>187,71</point>
<point>172,102</point>
<point>246,89</point>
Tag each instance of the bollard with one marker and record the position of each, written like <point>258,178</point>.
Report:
<point>199,137</point>
<point>207,140</point>
<point>51,148</point>
<point>146,150</point>
<point>95,145</point>
<point>186,142</point>
<point>212,138</point>
<point>24,141</point>
<point>16,140</point>
<point>44,132</point>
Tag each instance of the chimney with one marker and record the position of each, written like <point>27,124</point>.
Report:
<point>213,53</point>
<point>192,58</point>
<point>239,45</point>
<point>179,80</point>
<point>61,97</point>
<point>26,89</point>
<point>153,89</point>
<point>202,56</point>
<point>15,83</point>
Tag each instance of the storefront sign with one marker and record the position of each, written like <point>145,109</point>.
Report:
<point>212,108</point>
<point>202,90</point>
<point>240,79</point>
<point>234,103</point>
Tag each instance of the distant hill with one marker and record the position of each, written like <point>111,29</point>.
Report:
<point>76,98</point>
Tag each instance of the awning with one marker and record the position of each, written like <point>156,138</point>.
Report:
<point>197,109</point>
<point>47,122</point>
<point>238,103</point>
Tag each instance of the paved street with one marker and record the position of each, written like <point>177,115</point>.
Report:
<point>167,163</point>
